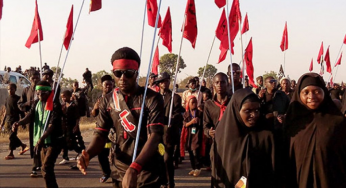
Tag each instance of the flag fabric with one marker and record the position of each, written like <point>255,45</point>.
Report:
<point>49,103</point>
<point>223,53</point>
<point>1,5</point>
<point>156,61</point>
<point>36,25</point>
<point>95,5</point>
<point>345,39</point>
<point>281,72</point>
<point>327,60</point>
<point>152,12</point>
<point>311,65</point>
<point>245,25</point>
<point>166,31</point>
<point>220,3</point>
<point>322,69</point>
<point>221,29</point>
<point>339,61</point>
<point>69,30</point>
<point>249,65</point>
<point>320,54</point>
<point>331,81</point>
<point>190,26</point>
<point>284,41</point>
<point>234,19</point>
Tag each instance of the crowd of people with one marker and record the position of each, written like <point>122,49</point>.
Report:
<point>281,133</point>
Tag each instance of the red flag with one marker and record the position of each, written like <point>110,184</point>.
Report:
<point>36,25</point>
<point>69,30</point>
<point>95,5</point>
<point>220,3</point>
<point>234,19</point>
<point>221,29</point>
<point>1,5</point>
<point>311,65</point>
<point>339,61</point>
<point>49,103</point>
<point>245,25</point>
<point>284,41</point>
<point>190,27</point>
<point>156,62</point>
<point>152,12</point>
<point>166,31</point>
<point>345,39</point>
<point>249,65</point>
<point>327,60</point>
<point>320,54</point>
<point>331,81</point>
<point>223,53</point>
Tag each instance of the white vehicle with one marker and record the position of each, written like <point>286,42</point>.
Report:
<point>16,78</point>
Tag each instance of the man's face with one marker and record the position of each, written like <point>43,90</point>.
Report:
<point>260,81</point>
<point>236,74</point>
<point>204,83</point>
<point>125,79</point>
<point>164,84</point>
<point>8,69</point>
<point>34,79</point>
<point>11,90</point>
<point>192,85</point>
<point>285,85</point>
<point>47,77</point>
<point>293,84</point>
<point>152,80</point>
<point>65,98</point>
<point>42,95</point>
<point>75,86</point>
<point>197,81</point>
<point>220,84</point>
<point>270,83</point>
<point>107,86</point>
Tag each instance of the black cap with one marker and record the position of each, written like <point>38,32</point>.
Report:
<point>47,71</point>
<point>153,75</point>
<point>163,76</point>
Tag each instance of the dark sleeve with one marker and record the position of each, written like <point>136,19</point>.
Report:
<point>55,115</point>
<point>176,114</point>
<point>155,122</point>
<point>23,101</point>
<point>186,118</point>
<point>207,121</point>
<point>29,116</point>
<point>16,108</point>
<point>104,121</point>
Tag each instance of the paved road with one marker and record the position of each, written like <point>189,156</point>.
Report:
<point>15,174</point>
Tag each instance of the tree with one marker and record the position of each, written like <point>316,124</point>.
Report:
<point>183,83</point>
<point>168,64</point>
<point>67,82</point>
<point>271,73</point>
<point>210,71</point>
<point>57,72</point>
<point>96,78</point>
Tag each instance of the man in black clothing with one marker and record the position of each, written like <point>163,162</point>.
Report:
<point>120,110</point>
<point>236,78</point>
<point>171,134</point>
<point>335,92</point>
<point>45,67</point>
<point>87,76</point>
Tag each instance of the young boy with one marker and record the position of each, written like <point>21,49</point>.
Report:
<point>12,115</point>
<point>69,122</point>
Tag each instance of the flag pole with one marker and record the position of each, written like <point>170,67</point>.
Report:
<point>176,73</point>
<point>57,66</point>
<point>146,85</point>
<point>141,48</point>
<point>205,67</point>
<point>285,55</point>
<point>63,67</point>
<point>39,47</point>
<point>337,60</point>
<point>230,46</point>
<point>242,55</point>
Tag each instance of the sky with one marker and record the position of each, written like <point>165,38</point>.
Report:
<point>119,24</point>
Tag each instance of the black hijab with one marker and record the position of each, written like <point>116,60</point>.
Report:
<point>314,138</point>
<point>242,151</point>
<point>343,109</point>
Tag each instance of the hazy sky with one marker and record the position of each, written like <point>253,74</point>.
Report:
<point>119,24</point>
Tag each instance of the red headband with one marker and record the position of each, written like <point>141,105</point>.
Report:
<point>187,108</point>
<point>125,64</point>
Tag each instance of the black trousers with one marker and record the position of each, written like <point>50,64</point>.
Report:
<point>49,156</point>
<point>168,159</point>
<point>36,161</point>
<point>195,159</point>
<point>104,162</point>
<point>118,184</point>
<point>14,141</point>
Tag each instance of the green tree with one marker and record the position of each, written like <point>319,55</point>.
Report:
<point>57,72</point>
<point>67,82</point>
<point>96,78</point>
<point>210,71</point>
<point>168,64</point>
<point>271,73</point>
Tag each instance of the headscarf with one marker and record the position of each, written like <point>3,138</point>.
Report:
<point>316,140</point>
<point>187,107</point>
<point>240,150</point>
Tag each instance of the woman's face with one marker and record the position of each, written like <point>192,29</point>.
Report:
<point>250,113</point>
<point>312,96</point>
<point>193,104</point>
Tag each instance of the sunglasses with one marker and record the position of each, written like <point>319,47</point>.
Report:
<point>272,81</point>
<point>126,73</point>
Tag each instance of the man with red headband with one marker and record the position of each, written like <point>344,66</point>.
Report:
<point>120,110</point>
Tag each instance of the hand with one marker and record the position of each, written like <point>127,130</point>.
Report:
<point>97,104</point>
<point>261,93</point>
<point>269,115</point>
<point>197,119</point>
<point>281,118</point>
<point>130,178</point>
<point>38,146</point>
<point>15,126</point>
<point>212,132</point>
<point>83,162</point>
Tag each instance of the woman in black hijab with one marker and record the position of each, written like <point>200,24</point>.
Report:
<point>317,137</point>
<point>243,149</point>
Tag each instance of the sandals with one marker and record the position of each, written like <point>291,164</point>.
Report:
<point>104,179</point>
<point>9,157</point>
<point>23,151</point>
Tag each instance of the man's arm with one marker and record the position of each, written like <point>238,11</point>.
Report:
<point>23,102</point>
<point>207,122</point>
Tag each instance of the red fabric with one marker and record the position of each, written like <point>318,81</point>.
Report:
<point>234,19</point>
<point>136,166</point>
<point>166,31</point>
<point>1,5</point>
<point>152,12</point>
<point>327,60</point>
<point>155,124</point>
<point>339,60</point>
<point>331,81</point>
<point>104,130</point>
<point>222,107</point>
<point>190,27</point>
<point>284,41</point>
<point>223,54</point>
<point>220,3</point>
<point>156,62</point>
<point>249,65</point>
<point>222,26</point>
<point>320,53</point>
<point>345,39</point>
<point>187,108</point>
<point>95,5</point>
<point>245,25</point>
<point>311,65</point>
<point>183,141</point>
<point>69,30</point>
<point>36,25</point>
<point>49,103</point>
<point>125,64</point>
